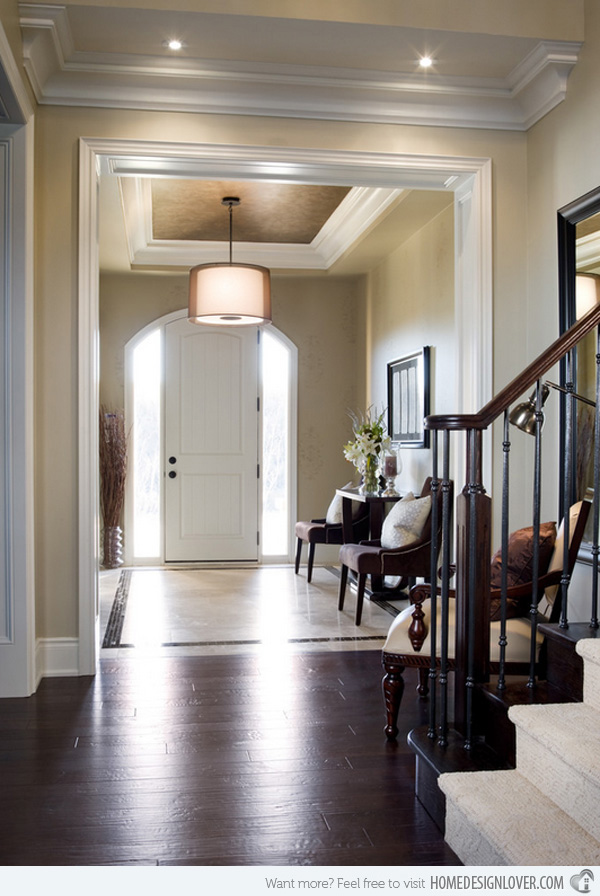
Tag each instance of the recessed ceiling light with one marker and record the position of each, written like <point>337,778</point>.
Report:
<point>425,61</point>
<point>173,44</point>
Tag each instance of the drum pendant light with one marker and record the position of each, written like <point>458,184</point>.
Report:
<point>228,294</point>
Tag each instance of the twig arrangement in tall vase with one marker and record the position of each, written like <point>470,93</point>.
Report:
<point>113,471</point>
<point>370,441</point>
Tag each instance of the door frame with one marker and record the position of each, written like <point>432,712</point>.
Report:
<point>160,323</point>
<point>470,179</point>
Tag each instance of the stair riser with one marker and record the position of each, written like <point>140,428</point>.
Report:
<point>561,782</point>
<point>468,841</point>
<point>591,685</point>
<point>501,818</point>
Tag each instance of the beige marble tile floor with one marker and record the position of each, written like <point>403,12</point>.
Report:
<point>188,612</point>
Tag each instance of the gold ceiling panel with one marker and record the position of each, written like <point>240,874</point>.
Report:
<point>268,213</point>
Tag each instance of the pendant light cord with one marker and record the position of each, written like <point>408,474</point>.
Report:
<point>230,233</point>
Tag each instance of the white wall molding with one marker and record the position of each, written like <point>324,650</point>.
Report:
<point>56,657</point>
<point>469,178</point>
<point>16,106</point>
<point>17,676</point>
<point>88,409</point>
<point>60,75</point>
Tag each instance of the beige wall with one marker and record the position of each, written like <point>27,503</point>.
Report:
<point>323,317</point>
<point>563,164</point>
<point>411,304</point>
<point>57,134</point>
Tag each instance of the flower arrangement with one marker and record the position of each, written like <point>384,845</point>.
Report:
<point>370,440</point>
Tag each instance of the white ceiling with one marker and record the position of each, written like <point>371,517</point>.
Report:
<point>295,66</point>
<point>499,65</point>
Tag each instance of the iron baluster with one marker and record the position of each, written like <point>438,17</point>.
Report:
<point>504,572</point>
<point>435,485</point>
<point>596,504</point>
<point>445,589</point>
<point>568,495</point>
<point>537,484</point>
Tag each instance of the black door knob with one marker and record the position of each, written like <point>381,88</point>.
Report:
<point>172,460</point>
<point>172,474</point>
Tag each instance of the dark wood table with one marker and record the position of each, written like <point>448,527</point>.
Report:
<point>376,510</point>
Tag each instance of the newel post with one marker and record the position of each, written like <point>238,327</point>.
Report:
<point>473,552</point>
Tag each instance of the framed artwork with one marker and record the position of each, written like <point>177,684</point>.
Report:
<point>408,399</point>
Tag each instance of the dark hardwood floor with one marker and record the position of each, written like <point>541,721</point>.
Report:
<point>213,761</point>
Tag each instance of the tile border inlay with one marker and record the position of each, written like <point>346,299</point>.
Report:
<point>114,626</point>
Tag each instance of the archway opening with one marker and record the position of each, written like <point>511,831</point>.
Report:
<point>145,414</point>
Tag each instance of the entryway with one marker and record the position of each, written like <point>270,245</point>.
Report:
<point>261,610</point>
<point>212,415</point>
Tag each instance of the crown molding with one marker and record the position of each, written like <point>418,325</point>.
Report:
<point>61,76</point>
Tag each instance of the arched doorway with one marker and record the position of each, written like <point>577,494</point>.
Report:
<point>146,409</point>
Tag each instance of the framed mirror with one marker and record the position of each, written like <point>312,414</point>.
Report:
<point>579,289</point>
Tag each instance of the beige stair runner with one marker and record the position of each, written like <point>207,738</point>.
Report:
<point>547,810</point>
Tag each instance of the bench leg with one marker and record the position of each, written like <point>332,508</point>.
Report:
<point>423,686</point>
<point>393,688</point>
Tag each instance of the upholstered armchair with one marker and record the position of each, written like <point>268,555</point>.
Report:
<point>404,549</point>
<point>408,642</point>
<point>328,530</point>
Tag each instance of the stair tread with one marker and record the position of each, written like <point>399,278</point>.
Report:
<point>589,649</point>
<point>569,731</point>
<point>517,693</point>
<point>571,635</point>
<point>524,830</point>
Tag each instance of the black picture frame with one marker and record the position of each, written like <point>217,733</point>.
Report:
<point>408,399</point>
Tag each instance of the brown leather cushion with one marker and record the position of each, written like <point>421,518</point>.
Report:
<point>519,567</point>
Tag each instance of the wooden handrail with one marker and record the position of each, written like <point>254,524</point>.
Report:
<point>521,383</point>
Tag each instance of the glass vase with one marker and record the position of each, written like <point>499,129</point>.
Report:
<point>390,468</point>
<point>112,547</point>
<point>370,476</point>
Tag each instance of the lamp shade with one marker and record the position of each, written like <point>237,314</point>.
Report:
<point>229,294</point>
<point>524,415</point>
<point>587,293</point>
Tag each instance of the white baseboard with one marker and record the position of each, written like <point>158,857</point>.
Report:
<point>55,657</point>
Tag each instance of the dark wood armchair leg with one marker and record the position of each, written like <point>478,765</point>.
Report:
<point>298,554</point>
<point>311,557</point>
<point>360,596</point>
<point>393,688</point>
<point>423,686</point>
<point>342,591</point>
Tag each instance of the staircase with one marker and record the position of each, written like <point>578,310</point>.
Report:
<point>546,811</point>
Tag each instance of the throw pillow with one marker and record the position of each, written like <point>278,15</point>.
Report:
<point>519,567</point>
<point>405,522</point>
<point>334,511</point>
<point>558,556</point>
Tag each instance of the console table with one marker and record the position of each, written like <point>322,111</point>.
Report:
<point>376,510</point>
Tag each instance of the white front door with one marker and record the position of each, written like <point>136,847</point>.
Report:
<point>211,443</point>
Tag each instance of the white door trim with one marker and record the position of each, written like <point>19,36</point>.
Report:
<point>160,324</point>
<point>18,674</point>
<point>470,178</point>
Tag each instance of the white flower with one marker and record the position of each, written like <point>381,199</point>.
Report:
<point>370,440</point>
